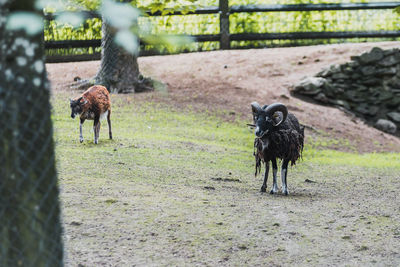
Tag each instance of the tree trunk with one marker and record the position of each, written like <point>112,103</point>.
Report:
<point>30,228</point>
<point>119,70</point>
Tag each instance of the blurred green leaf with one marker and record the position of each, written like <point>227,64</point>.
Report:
<point>73,18</point>
<point>30,22</point>
<point>119,15</point>
<point>127,40</point>
<point>50,5</point>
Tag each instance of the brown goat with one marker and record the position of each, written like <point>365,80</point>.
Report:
<point>93,104</point>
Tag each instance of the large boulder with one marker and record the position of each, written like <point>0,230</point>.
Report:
<point>310,85</point>
<point>375,55</point>
<point>394,116</point>
<point>386,126</point>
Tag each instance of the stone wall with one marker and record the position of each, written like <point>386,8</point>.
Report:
<point>368,86</point>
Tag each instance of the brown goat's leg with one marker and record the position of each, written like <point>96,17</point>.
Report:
<point>96,129</point>
<point>264,186</point>
<point>80,130</point>
<point>284,177</point>
<point>109,124</point>
<point>274,176</point>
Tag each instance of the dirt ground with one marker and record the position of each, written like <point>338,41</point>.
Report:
<point>231,80</point>
<point>123,206</point>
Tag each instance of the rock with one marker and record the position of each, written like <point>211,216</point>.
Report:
<point>335,68</point>
<point>371,81</point>
<point>360,87</point>
<point>368,70</point>
<point>393,103</point>
<point>324,73</point>
<point>353,64</point>
<point>390,60</point>
<point>363,109</point>
<point>384,95</point>
<point>310,85</point>
<point>386,126</point>
<point>386,71</point>
<point>358,99</point>
<point>369,110</point>
<point>338,89</point>
<point>394,116</point>
<point>321,97</point>
<point>347,70</point>
<point>373,110</point>
<point>328,90</point>
<point>394,82</point>
<point>356,76</point>
<point>375,55</point>
<point>369,86</point>
<point>340,76</point>
<point>350,95</point>
<point>341,103</point>
<point>391,51</point>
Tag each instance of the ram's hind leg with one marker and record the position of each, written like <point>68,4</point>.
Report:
<point>274,172</point>
<point>264,186</point>
<point>96,129</point>
<point>284,176</point>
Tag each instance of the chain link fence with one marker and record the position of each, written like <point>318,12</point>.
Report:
<point>30,228</point>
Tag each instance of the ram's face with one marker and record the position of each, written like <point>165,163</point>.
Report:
<point>266,118</point>
<point>76,107</point>
<point>262,122</point>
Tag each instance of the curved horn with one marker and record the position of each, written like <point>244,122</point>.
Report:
<point>271,109</point>
<point>255,107</point>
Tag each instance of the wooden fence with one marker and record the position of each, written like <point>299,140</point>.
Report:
<point>225,37</point>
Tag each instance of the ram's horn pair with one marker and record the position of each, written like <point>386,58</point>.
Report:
<point>271,109</point>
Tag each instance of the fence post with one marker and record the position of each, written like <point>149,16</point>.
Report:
<point>225,42</point>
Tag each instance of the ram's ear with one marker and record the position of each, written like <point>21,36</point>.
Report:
<point>255,107</point>
<point>82,100</point>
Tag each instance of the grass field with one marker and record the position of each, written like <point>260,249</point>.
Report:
<point>177,188</point>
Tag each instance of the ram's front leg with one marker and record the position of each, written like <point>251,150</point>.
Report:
<point>284,176</point>
<point>80,130</point>
<point>264,186</point>
<point>274,174</point>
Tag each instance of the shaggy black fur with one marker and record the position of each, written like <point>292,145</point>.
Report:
<point>284,142</point>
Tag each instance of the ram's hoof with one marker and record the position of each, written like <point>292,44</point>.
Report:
<point>274,190</point>
<point>263,189</point>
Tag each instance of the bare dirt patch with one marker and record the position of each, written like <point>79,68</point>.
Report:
<point>231,80</point>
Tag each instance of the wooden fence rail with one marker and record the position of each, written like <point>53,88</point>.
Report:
<point>225,37</point>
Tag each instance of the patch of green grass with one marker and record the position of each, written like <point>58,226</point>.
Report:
<point>152,133</point>
<point>338,158</point>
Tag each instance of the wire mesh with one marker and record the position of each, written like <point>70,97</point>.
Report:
<point>30,229</point>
